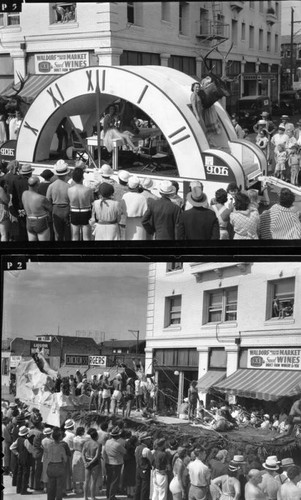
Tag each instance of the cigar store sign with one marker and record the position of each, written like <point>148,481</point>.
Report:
<point>284,359</point>
<point>60,63</point>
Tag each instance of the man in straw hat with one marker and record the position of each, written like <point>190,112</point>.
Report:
<point>20,448</point>
<point>198,223</point>
<point>113,455</point>
<point>19,185</point>
<point>38,210</point>
<point>270,485</point>
<point>162,215</point>
<point>57,194</point>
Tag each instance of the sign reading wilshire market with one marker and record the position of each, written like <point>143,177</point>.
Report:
<point>284,359</point>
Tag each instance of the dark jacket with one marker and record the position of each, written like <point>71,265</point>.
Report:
<point>198,223</point>
<point>161,218</point>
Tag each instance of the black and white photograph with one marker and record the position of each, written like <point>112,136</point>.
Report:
<point>131,379</point>
<point>150,121</point>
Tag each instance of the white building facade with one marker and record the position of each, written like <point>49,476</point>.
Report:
<point>213,322</point>
<point>53,38</point>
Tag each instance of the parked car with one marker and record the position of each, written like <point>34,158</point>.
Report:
<point>249,109</point>
<point>281,109</point>
<point>291,98</point>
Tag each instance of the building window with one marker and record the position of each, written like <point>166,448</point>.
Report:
<point>183,18</point>
<point>251,37</point>
<point>204,21</point>
<point>165,11</point>
<point>64,12</point>
<point>173,310</point>
<point>130,12</point>
<point>5,366</point>
<point>173,266</point>
<point>261,6</point>
<point>222,305</point>
<point>183,63</point>
<point>243,31</point>
<point>13,19</point>
<point>234,31</point>
<point>276,43</point>
<point>282,294</point>
<point>132,58</point>
<point>268,41</point>
<point>260,39</point>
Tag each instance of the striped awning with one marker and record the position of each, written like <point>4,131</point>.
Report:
<point>211,378</point>
<point>33,86</point>
<point>269,385</point>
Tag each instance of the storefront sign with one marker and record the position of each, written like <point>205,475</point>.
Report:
<point>60,63</point>
<point>8,150</point>
<point>284,359</point>
<point>14,361</point>
<point>75,359</point>
<point>97,360</point>
<point>44,347</point>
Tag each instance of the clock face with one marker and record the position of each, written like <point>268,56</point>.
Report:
<point>75,94</point>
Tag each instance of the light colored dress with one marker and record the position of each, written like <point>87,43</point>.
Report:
<point>78,468</point>
<point>107,214</point>
<point>135,208</point>
<point>223,224</point>
<point>245,224</point>
<point>46,442</point>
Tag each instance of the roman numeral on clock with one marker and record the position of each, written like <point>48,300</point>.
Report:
<point>56,101</point>
<point>177,132</point>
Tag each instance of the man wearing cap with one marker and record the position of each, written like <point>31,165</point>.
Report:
<point>198,223</point>
<point>19,185</point>
<point>162,216</point>
<point>287,124</point>
<point>81,199</point>
<point>20,449</point>
<point>57,194</point>
<point>113,455</point>
<point>38,210</point>
<point>285,464</point>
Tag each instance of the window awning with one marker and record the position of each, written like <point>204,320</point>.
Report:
<point>211,378</point>
<point>33,86</point>
<point>269,385</point>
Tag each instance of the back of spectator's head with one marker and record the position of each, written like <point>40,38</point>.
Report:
<point>78,175</point>
<point>286,198</point>
<point>80,431</point>
<point>221,196</point>
<point>56,434</point>
<point>232,187</point>
<point>293,472</point>
<point>176,185</point>
<point>242,201</point>
<point>93,433</point>
<point>253,195</point>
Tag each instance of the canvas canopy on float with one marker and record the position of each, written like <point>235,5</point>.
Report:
<point>211,378</point>
<point>268,385</point>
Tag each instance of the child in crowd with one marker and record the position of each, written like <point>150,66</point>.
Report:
<point>254,199</point>
<point>262,141</point>
<point>294,163</point>
<point>281,157</point>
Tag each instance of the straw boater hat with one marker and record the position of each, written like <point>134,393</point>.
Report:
<point>147,183</point>
<point>61,168</point>
<point>166,188</point>
<point>270,464</point>
<point>26,169</point>
<point>106,170</point>
<point>123,175</point>
<point>69,424</point>
<point>115,432</point>
<point>47,431</point>
<point>284,117</point>
<point>133,182</point>
<point>238,459</point>
<point>286,462</point>
<point>197,198</point>
<point>23,431</point>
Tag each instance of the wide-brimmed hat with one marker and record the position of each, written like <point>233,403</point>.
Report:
<point>123,175</point>
<point>271,463</point>
<point>115,432</point>
<point>23,431</point>
<point>106,190</point>
<point>47,174</point>
<point>12,405</point>
<point>26,169</point>
<point>264,113</point>
<point>197,197</point>
<point>61,168</point>
<point>69,423</point>
<point>232,467</point>
<point>47,431</point>
<point>281,127</point>
<point>147,183</point>
<point>238,459</point>
<point>285,462</point>
<point>261,122</point>
<point>33,180</point>
<point>284,117</point>
<point>166,188</point>
<point>106,170</point>
<point>133,182</point>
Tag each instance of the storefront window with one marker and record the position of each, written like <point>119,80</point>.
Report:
<point>173,310</point>
<point>173,266</point>
<point>222,305</point>
<point>282,293</point>
<point>13,19</point>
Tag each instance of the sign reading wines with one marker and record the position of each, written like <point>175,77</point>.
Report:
<point>284,359</point>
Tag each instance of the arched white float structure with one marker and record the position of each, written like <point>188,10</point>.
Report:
<point>164,95</point>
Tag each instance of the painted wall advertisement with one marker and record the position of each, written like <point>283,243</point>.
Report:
<point>60,63</point>
<point>43,347</point>
<point>284,359</point>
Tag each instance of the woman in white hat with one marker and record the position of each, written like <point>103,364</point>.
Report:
<point>228,483</point>
<point>135,206</point>
<point>106,215</point>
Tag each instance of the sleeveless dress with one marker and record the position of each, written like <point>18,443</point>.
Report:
<point>78,468</point>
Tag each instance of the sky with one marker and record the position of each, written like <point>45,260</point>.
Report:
<point>48,297</point>
<point>286,6</point>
